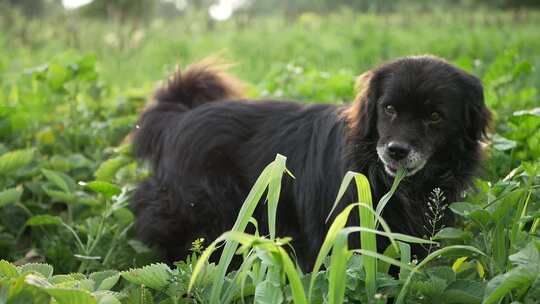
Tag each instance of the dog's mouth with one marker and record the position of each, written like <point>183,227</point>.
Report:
<point>411,164</point>
<point>392,168</point>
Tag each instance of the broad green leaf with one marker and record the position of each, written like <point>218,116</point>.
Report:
<point>432,288</point>
<point>155,276</point>
<point>61,180</point>
<point>63,278</point>
<point>8,270</point>
<point>44,219</point>
<point>481,216</point>
<point>60,196</point>
<point>104,280</point>
<point>107,189</point>
<point>45,270</point>
<point>268,292</point>
<point>124,216</point>
<point>450,233</point>
<point>526,257</point>
<point>464,292</point>
<point>107,170</point>
<point>534,291</point>
<point>71,296</point>
<point>108,299</point>
<point>522,68</point>
<point>506,205</point>
<point>10,196</point>
<point>86,67</point>
<point>502,144</point>
<point>463,209</point>
<point>501,285</point>
<point>37,280</point>
<point>402,294</point>
<point>57,75</point>
<point>11,161</point>
<point>443,272</point>
<point>139,295</point>
<point>16,286</point>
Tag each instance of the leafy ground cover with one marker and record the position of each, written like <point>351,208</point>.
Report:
<point>66,172</point>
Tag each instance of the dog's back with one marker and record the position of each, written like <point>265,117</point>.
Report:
<point>207,148</point>
<point>198,84</point>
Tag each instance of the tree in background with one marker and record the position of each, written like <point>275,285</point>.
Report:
<point>120,10</point>
<point>30,8</point>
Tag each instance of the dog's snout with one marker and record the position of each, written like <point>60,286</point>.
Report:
<point>398,150</point>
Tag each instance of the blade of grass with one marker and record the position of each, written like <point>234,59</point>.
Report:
<point>295,282</point>
<point>248,207</point>
<point>401,173</point>
<point>499,243</point>
<point>274,189</point>
<point>388,252</point>
<point>245,213</point>
<point>383,258</point>
<point>393,235</point>
<point>240,277</point>
<point>338,262</point>
<point>342,188</point>
<point>339,222</point>
<point>405,258</point>
<point>368,241</point>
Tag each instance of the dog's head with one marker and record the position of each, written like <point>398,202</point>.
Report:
<point>417,107</point>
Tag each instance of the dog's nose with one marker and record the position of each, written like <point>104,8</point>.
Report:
<point>397,150</point>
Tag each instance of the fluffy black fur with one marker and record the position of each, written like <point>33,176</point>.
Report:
<point>207,146</point>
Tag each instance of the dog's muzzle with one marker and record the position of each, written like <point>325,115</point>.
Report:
<point>396,154</point>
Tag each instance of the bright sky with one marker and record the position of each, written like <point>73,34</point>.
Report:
<point>71,4</point>
<point>221,10</point>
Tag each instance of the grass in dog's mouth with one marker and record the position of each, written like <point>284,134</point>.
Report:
<point>401,172</point>
<point>399,169</point>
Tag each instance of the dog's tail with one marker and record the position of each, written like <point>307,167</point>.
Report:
<point>199,83</point>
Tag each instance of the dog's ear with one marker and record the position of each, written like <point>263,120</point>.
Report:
<point>362,115</point>
<point>477,115</point>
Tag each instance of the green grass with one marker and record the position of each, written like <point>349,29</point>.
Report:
<point>69,98</point>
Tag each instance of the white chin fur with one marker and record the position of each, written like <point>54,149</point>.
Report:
<point>410,171</point>
<point>414,162</point>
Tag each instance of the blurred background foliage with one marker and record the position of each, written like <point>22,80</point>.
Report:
<point>148,34</point>
<point>75,73</point>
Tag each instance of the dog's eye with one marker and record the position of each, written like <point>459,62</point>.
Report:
<point>390,110</point>
<point>435,117</point>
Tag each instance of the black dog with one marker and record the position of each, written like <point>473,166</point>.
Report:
<point>207,146</point>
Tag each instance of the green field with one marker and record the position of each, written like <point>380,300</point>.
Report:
<point>71,89</point>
